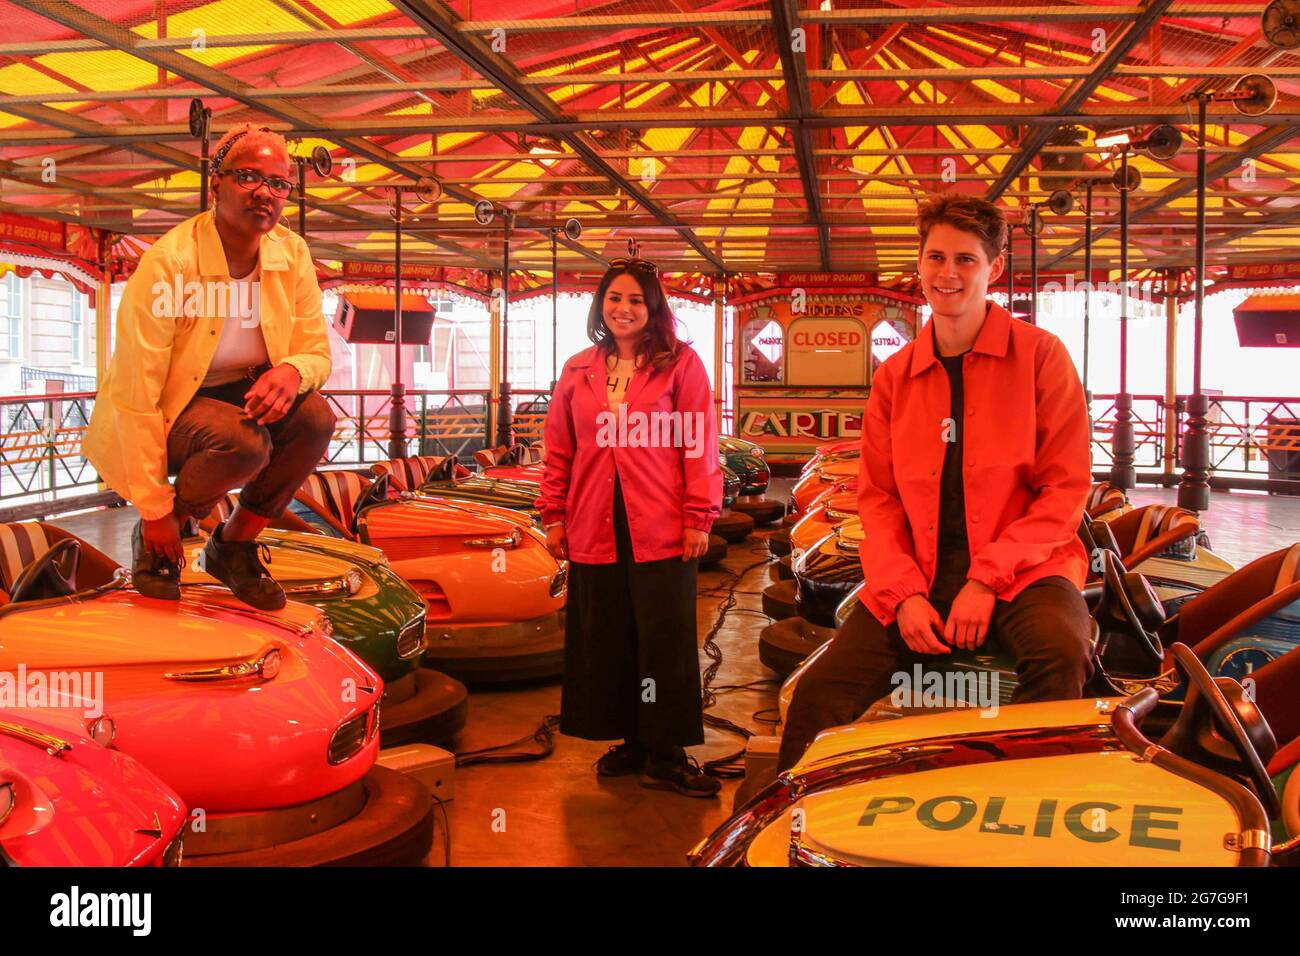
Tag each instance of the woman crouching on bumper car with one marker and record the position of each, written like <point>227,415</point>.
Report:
<point>630,491</point>
<point>974,470</point>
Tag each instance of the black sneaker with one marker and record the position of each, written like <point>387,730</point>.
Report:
<point>681,773</point>
<point>236,564</point>
<point>154,575</point>
<point>625,758</point>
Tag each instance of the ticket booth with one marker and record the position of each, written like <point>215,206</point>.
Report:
<point>805,354</point>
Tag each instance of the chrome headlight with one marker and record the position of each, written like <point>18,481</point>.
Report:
<point>560,581</point>
<point>263,666</point>
<point>102,731</point>
<point>511,540</point>
<point>270,664</point>
<point>349,584</point>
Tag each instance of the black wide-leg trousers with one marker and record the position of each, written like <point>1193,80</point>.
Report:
<point>631,662</point>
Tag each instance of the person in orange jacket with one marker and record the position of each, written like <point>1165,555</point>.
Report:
<point>631,487</point>
<point>974,470</point>
<point>219,352</point>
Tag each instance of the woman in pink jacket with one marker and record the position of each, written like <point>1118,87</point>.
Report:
<point>631,488</point>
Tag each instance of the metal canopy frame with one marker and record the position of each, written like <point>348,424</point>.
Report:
<point>768,155</point>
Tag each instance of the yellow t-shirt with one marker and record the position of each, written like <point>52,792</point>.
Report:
<point>618,376</point>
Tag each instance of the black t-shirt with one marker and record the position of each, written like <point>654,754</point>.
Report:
<point>953,559</point>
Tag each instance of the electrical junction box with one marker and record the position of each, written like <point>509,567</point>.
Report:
<point>432,766</point>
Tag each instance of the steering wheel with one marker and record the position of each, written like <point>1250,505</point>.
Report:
<point>1203,690</point>
<point>53,574</point>
<point>1130,600</point>
<point>377,492</point>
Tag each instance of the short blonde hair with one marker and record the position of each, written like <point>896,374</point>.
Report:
<point>243,137</point>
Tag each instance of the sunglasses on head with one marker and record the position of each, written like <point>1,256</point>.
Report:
<point>635,264</point>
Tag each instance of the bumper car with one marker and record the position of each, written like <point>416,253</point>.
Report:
<point>840,473</point>
<point>267,729</point>
<point>1235,628</point>
<point>1160,542</point>
<point>821,519</point>
<point>492,592</point>
<point>68,800</point>
<point>1163,542</point>
<point>1114,781</point>
<point>373,613</point>
<point>747,461</point>
<point>731,526</point>
<point>446,478</point>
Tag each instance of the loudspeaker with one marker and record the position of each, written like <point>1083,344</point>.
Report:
<point>1261,324</point>
<point>367,317</point>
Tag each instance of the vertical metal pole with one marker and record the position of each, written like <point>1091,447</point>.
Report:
<point>1087,291</point>
<point>203,171</point>
<point>719,345</point>
<point>302,197</point>
<point>1122,473</point>
<point>1194,489</point>
<point>397,395</point>
<point>504,429</point>
<point>1033,264</point>
<point>555,307</point>
<point>1171,373</point>
<point>491,405</point>
<point>103,306</point>
<point>1011,269</point>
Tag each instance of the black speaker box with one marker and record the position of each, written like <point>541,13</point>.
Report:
<point>368,318</point>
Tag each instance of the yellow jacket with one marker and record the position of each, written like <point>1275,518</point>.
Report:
<point>165,339</point>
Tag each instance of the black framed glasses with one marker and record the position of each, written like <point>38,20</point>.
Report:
<point>251,179</point>
<point>635,264</point>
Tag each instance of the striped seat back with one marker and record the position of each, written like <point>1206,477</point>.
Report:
<point>1162,519</point>
<point>408,474</point>
<point>338,491</point>
<point>1103,497</point>
<point>21,544</point>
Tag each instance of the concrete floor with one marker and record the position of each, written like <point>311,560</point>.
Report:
<point>556,812</point>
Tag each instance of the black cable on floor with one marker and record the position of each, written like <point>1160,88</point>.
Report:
<point>543,736</point>
<point>446,830</point>
<point>732,765</point>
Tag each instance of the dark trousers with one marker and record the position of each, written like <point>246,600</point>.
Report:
<point>213,448</point>
<point>1046,628</point>
<point>631,662</point>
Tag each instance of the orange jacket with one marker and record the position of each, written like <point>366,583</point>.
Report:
<point>1026,464</point>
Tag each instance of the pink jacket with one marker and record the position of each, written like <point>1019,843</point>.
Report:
<point>663,445</point>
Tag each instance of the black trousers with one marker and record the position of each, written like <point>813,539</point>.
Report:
<point>631,662</point>
<point>1046,628</point>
